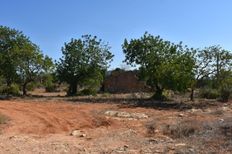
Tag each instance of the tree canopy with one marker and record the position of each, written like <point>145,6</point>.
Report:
<point>21,61</point>
<point>83,62</point>
<point>162,64</point>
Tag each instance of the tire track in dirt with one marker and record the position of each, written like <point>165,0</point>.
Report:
<point>45,118</point>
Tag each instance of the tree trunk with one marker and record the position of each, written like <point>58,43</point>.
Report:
<point>192,94</point>
<point>72,89</point>
<point>158,93</point>
<point>25,89</point>
<point>8,83</point>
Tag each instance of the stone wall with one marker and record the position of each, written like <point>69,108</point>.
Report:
<point>123,82</point>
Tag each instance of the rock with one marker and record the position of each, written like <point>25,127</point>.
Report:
<point>181,115</point>
<point>156,131</point>
<point>195,110</point>
<point>221,120</point>
<point>121,149</point>
<point>83,135</point>
<point>139,115</point>
<point>224,108</point>
<point>111,113</point>
<point>180,144</point>
<point>171,148</point>
<point>208,110</point>
<point>78,133</point>
<point>153,141</point>
<point>121,114</point>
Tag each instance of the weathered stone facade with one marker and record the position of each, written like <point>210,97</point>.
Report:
<point>119,81</point>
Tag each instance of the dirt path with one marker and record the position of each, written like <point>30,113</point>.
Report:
<point>44,126</point>
<point>47,118</point>
<point>39,127</point>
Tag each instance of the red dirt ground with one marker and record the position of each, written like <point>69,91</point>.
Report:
<point>44,126</point>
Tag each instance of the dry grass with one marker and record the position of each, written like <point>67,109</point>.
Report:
<point>150,127</point>
<point>3,119</point>
<point>100,121</point>
<point>182,129</point>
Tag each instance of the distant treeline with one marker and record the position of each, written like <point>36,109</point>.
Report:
<point>161,64</point>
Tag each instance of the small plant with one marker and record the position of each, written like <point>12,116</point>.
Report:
<point>101,121</point>
<point>51,88</point>
<point>151,127</point>
<point>225,94</point>
<point>183,129</point>
<point>226,128</point>
<point>106,95</point>
<point>3,119</point>
<point>13,89</point>
<point>87,92</point>
<point>168,94</point>
<point>209,93</point>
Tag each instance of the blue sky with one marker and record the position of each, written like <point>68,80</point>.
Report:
<point>50,23</point>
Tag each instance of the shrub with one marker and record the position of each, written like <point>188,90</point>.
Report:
<point>168,94</point>
<point>226,128</point>
<point>50,88</point>
<point>225,94</point>
<point>101,122</point>
<point>88,91</point>
<point>151,127</point>
<point>182,129</point>
<point>209,93</point>
<point>32,86</point>
<point>49,83</point>
<point>13,89</point>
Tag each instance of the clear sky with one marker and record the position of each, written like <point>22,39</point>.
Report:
<point>50,23</point>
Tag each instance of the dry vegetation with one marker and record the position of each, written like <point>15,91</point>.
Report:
<point>3,119</point>
<point>114,124</point>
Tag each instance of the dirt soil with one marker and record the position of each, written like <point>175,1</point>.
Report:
<point>45,125</point>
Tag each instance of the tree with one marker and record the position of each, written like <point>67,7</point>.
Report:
<point>21,61</point>
<point>222,61</point>
<point>83,62</point>
<point>11,41</point>
<point>163,65</point>
<point>211,62</point>
<point>31,65</point>
<point>202,68</point>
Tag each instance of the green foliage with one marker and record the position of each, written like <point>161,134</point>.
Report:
<point>225,85</point>
<point>11,42</point>
<point>51,88</point>
<point>225,94</point>
<point>209,66</point>
<point>33,85</point>
<point>86,92</point>
<point>163,65</point>
<point>83,63</point>
<point>13,89</point>
<point>21,61</point>
<point>49,83</point>
<point>209,93</point>
<point>168,94</point>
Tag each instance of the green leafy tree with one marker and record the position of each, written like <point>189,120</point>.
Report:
<point>31,65</point>
<point>163,65</point>
<point>211,62</point>
<point>225,84</point>
<point>202,68</point>
<point>21,61</point>
<point>11,41</point>
<point>222,61</point>
<point>83,62</point>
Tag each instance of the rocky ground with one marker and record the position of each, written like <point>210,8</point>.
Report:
<point>77,126</point>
